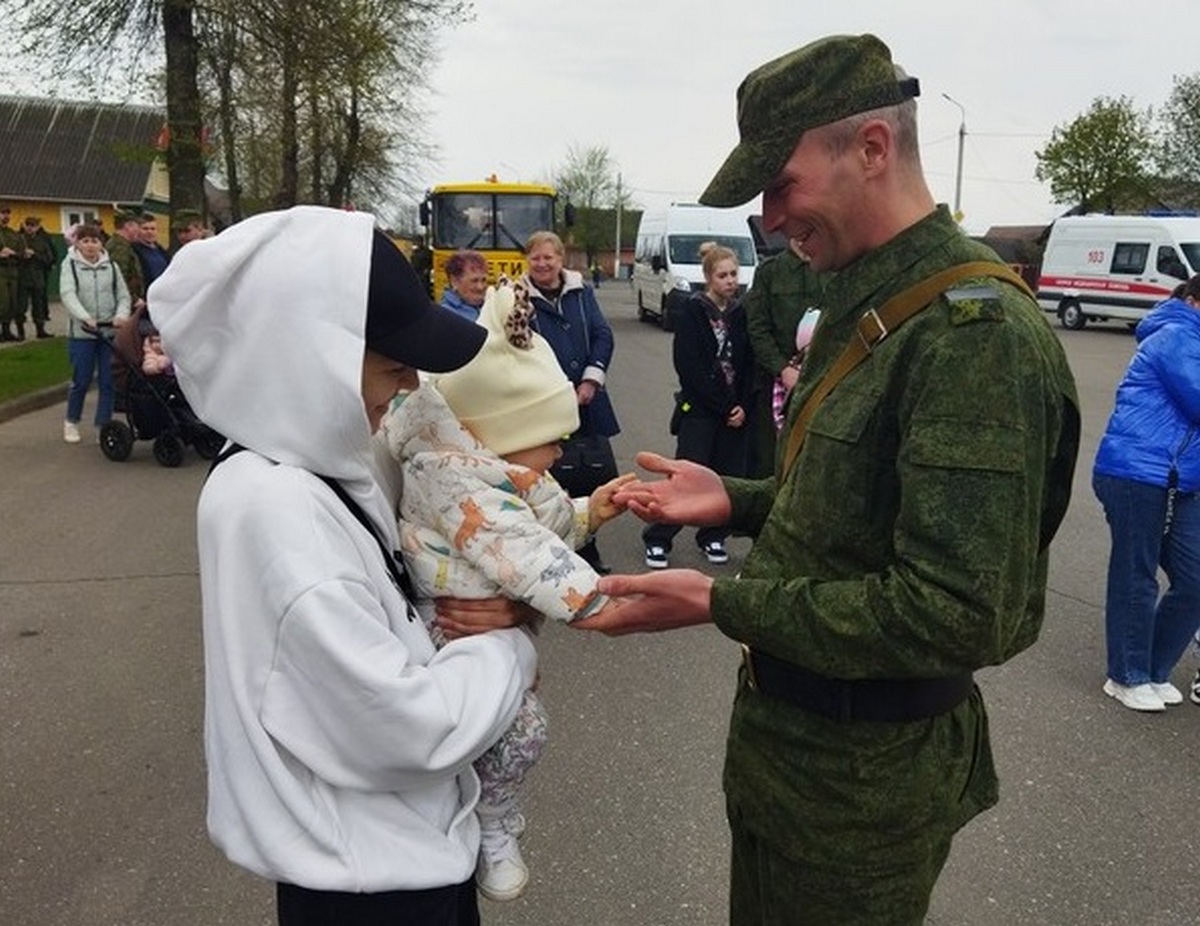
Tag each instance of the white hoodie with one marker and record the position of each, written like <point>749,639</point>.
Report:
<point>339,742</point>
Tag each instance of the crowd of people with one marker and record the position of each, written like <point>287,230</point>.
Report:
<point>102,284</point>
<point>397,512</point>
<point>27,258</point>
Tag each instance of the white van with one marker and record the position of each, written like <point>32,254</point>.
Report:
<point>666,262</point>
<point>1115,266</point>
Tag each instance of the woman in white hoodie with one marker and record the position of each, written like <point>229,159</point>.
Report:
<point>95,296</point>
<point>339,740</point>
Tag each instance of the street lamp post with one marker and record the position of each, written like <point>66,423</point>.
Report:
<point>962,136</point>
<point>617,245</point>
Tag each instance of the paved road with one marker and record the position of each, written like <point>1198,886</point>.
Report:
<point>101,768</point>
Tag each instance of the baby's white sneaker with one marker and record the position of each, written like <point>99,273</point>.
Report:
<point>501,873</point>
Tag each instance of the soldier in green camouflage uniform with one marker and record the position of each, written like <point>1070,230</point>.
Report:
<point>38,260</point>
<point>12,247</point>
<point>784,288</point>
<point>120,252</point>
<point>128,343</point>
<point>907,545</point>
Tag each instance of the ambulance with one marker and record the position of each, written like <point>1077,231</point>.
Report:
<point>1100,267</point>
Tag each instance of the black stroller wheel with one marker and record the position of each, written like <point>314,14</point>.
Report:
<point>168,450</point>
<point>207,444</point>
<point>116,440</point>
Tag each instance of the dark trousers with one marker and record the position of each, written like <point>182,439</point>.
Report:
<point>703,439</point>
<point>456,905</point>
<point>33,298</point>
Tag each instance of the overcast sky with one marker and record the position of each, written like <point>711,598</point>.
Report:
<point>654,81</point>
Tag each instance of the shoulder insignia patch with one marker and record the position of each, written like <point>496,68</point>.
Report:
<point>972,302</point>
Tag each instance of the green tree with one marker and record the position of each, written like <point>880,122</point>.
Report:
<point>310,101</point>
<point>1179,130</point>
<point>1101,158</point>
<point>590,180</point>
<point>104,32</point>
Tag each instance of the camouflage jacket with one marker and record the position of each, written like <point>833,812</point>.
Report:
<point>35,269</point>
<point>121,253</point>
<point>11,238</point>
<point>784,287</point>
<point>906,542</point>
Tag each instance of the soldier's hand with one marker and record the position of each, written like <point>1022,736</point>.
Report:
<point>690,493</point>
<point>649,603</point>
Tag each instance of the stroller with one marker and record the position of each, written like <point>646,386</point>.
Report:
<point>154,406</point>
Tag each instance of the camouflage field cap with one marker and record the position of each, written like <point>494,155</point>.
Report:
<point>822,82</point>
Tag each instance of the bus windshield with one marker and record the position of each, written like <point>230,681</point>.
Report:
<point>685,249</point>
<point>489,221</point>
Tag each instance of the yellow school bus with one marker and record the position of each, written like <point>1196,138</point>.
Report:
<point>491,217</point>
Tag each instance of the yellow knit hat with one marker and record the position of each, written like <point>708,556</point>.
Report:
<point>513,395</point>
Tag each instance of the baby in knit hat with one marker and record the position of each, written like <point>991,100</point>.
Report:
<point>480,516</point>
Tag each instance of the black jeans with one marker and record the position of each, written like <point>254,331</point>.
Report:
<point>703,439</point>
<point>456,905</point>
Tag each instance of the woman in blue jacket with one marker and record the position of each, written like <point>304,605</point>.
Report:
<point>567,315</point>
<point>1146,476</point>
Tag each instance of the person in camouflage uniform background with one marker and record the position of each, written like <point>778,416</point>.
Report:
<point>39,258</point>
<point>12,247</point>
<point>127,344</point>
<point>120,251</point>
<point>906,546</point>
<point>784,288</point>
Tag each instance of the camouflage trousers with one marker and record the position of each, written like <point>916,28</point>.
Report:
<point>9,297</point>
<point>31,296</point>
<point>769,889</point>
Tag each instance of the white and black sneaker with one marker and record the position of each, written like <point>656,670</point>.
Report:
<point>715,551</point>
<point>1194,694</point>
<point>656,557</point>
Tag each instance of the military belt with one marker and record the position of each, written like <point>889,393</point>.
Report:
<point>901,700</point>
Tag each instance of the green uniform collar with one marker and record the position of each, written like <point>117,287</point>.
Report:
<point>879,274</point>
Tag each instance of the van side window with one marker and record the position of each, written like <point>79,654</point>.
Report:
<point>1168,262</point>
<point>1129,258</point>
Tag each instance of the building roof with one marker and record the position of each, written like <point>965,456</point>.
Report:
<point>75,152</point>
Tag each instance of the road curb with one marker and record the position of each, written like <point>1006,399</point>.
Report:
<point>33,401</point>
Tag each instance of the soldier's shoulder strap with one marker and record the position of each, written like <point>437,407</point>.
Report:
<point>876,324</point>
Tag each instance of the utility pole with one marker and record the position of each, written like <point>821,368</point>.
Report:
<point>617,245</point>
<point>962,136</point>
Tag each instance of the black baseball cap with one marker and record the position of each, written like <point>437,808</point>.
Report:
<point>404,324</point>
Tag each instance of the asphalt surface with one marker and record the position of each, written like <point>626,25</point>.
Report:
<point>101,708</point>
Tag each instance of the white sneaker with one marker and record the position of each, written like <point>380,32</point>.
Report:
<point>1167,692</point>
<point>501,873</point>
<point>1135,697</point>
<point>71,432</point>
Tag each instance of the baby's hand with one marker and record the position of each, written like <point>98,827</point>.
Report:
<point>601,506</point>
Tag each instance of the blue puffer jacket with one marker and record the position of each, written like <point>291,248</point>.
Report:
<point>459,306</point>
<point>1156,420</point>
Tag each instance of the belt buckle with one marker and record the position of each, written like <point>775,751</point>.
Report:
<point>748,662</point>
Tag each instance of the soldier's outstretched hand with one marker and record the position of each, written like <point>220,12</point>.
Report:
<point>690,493</point>
<point>652,602</point>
